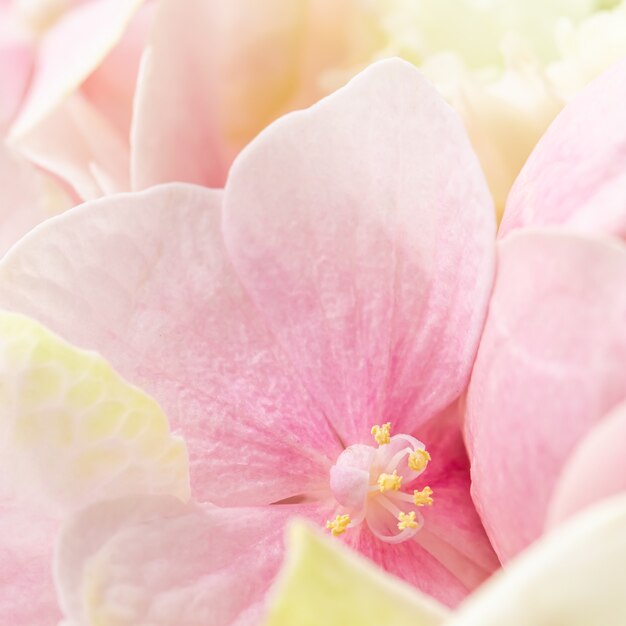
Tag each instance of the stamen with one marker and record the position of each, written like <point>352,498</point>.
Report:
<point>339,525</point>
<point>418,460</point>
<point>406,520</point>
<point>422,498</point>
<point>388,482</point>
<point>382,434</point>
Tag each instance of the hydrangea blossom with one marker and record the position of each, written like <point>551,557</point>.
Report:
<point>308,331</point>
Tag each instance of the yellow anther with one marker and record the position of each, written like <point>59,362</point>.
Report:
<point>382,434</point>
<point>338,525</point>
<point>422,498</point>
<point>418,460</point>
<point>407,520</point>
<point>389,482</point>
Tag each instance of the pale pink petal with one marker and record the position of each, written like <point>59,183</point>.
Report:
<point>16,62</point>
<point>68,54</point>
<point>111,87</point>
<point>144,279</point>
<point>363,230</point>
<point>594,471</point>
<point>27,595</point>
<point>133,562</point>
<point>57,128</point>
<point>576,176</point>
<point>27,197</point>
<point>193,55</point>
<point>78,144</point>
<point>216,73</point>
<point>551,363</point>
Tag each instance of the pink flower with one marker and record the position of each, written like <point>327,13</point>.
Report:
<point>542,424</point>
<point>339,282</point>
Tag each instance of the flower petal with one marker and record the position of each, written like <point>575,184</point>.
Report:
<point>27,593</point>
<point>16,63</point>
<point>111,86</point>
<point>323,583</point>
<point>573,576</point>
<point>363,230</point>
<point>235,66</point>
<point>28,197</point>
<point>156,562</point>
<point>144,279</point>
<point>69,52</point>
<point>71,430</point>
<point>550,365</point>
<point>575,176</point>
<point>594,471</point>
<point>79,145</point>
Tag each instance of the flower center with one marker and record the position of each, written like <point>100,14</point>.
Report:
<point>373,485</point>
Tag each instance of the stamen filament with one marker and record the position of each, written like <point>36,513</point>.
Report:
<point>389,505</point>
<point>396,458</point>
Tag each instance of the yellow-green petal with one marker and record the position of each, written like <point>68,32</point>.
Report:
<point>72,430</point>
<point>323,582</point>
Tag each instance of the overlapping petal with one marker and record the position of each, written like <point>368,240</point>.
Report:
<point>575,175</point>
<point>550,365</point>
<point>80,146</point>
<point>73,135</point>
<point>322,583</point>
<point>72,431</point>
<point>594,471</point>
<point>216,73</point>
<point>28,197</point>
<point>69,52</point>
<point>147,561</point>
<point>572,576</point>
<point>144,279</point>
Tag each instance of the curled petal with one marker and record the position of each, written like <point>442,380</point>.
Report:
<point>595,470</point>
